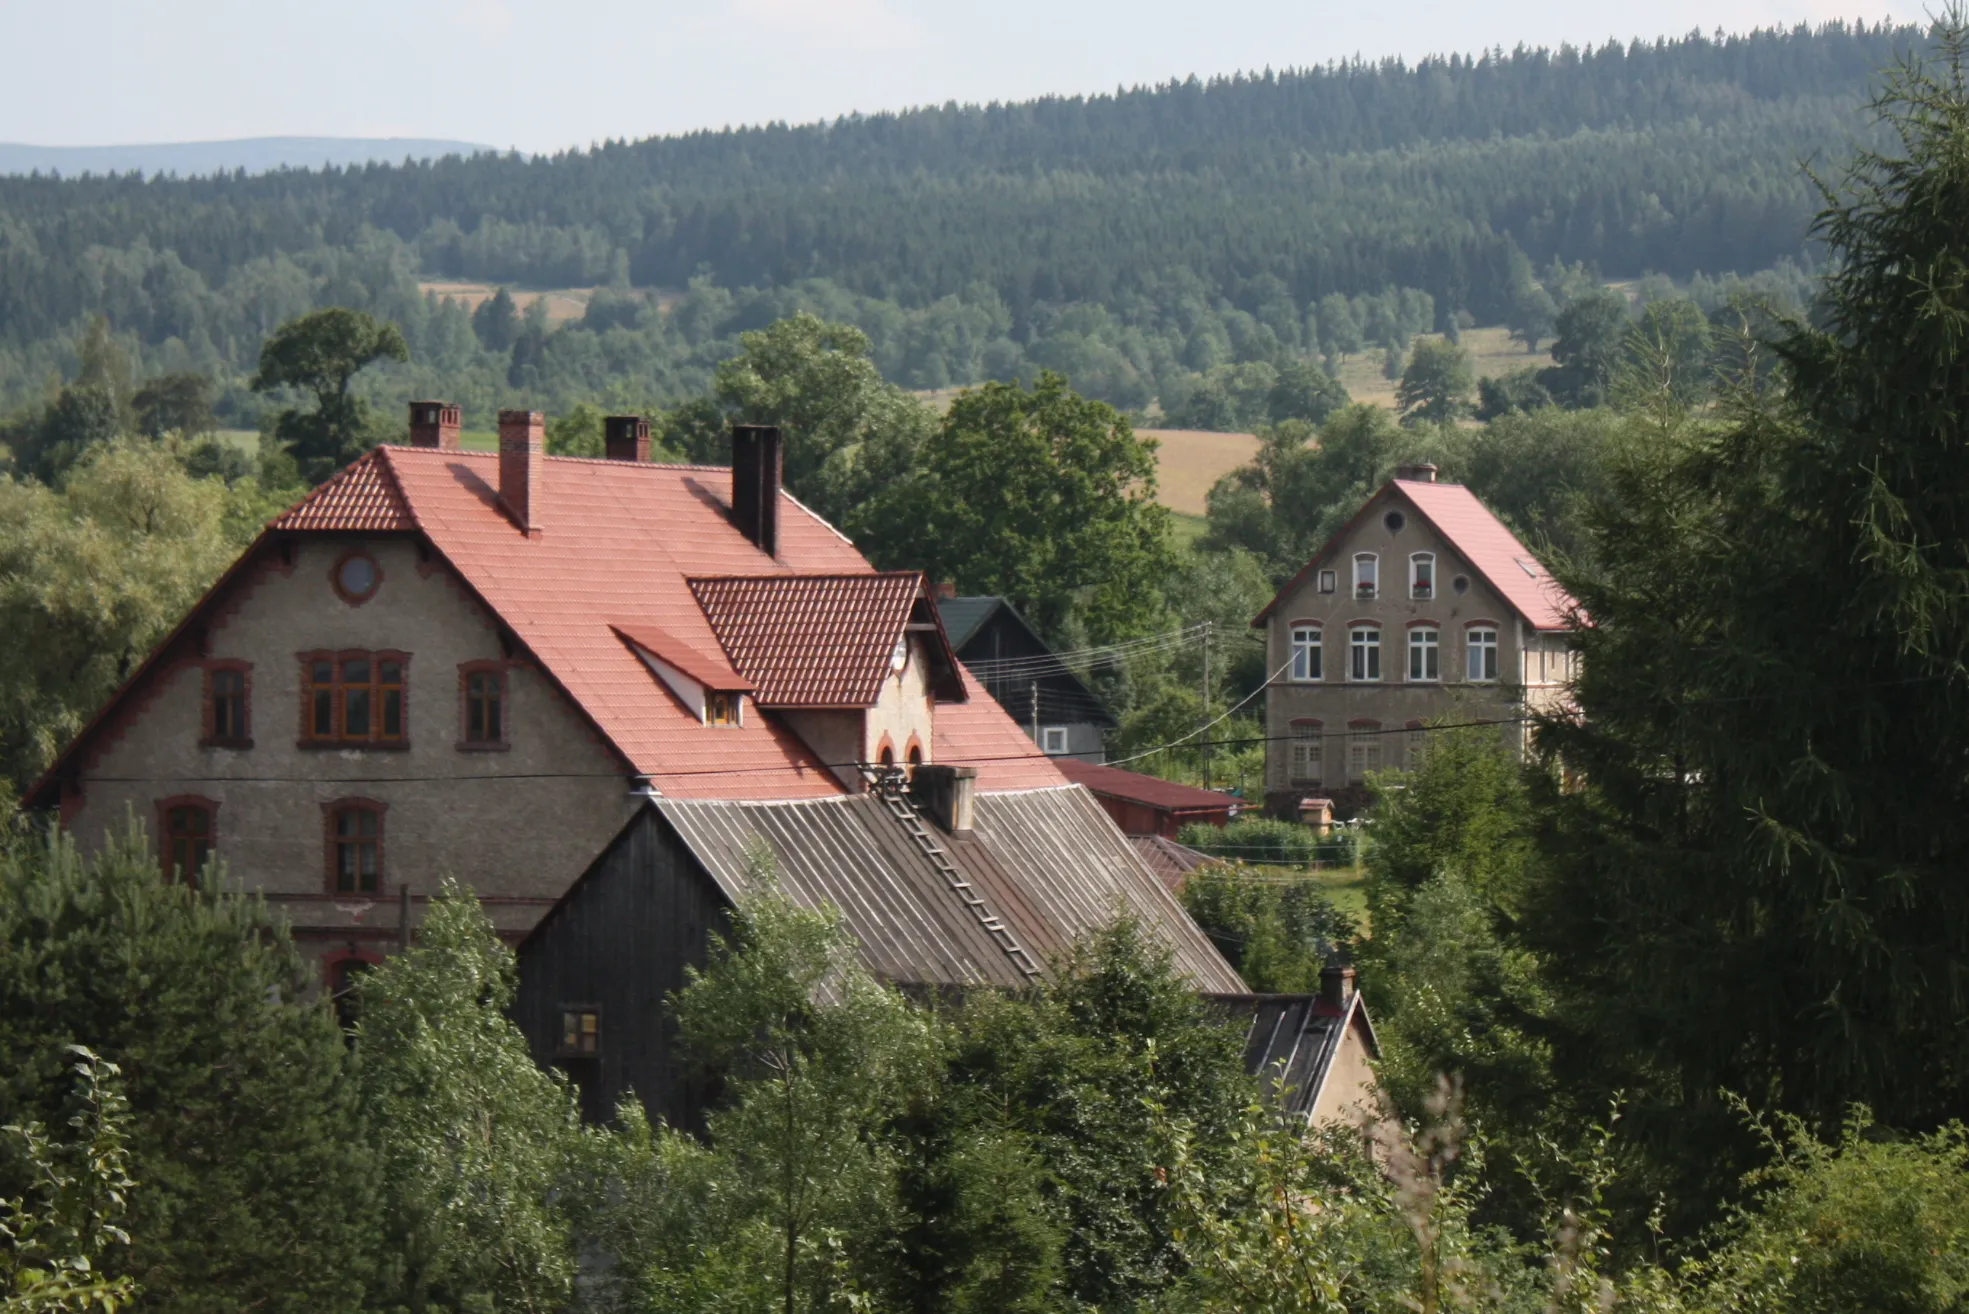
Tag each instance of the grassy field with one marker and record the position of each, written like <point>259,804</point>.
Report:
<point>1192,460</point>
<point>1492,352</point>
<point>563,303</point>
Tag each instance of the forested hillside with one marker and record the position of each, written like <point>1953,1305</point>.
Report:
<point>961,237</point>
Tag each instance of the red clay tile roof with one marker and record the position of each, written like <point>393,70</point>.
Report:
<point>711,672</point>
<point>363,497</point>
<point>620,541</point>
<point>811,640</point>
<point>1477,535</point>
<point>1138,788</point>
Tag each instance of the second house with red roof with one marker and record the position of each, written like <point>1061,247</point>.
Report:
<point>1424,609</point>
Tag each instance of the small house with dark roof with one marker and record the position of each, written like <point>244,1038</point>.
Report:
<point>1423,608</point>
<point>1316,1053</point>
<point>1150,805</point>
<point>1039,690</point>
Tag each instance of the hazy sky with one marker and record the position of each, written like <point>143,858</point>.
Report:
<point>542,74</point>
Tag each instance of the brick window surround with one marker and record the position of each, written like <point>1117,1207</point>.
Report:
<point>355,698</point>
<point>485,707</point>
<point>187,835</point>
<point>354,597</point>
<point>228,711</point>
<point>353,856</point>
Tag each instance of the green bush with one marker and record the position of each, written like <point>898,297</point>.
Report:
<point>1264,842</point>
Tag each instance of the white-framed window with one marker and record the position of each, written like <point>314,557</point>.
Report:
<point>1327,584</point>
<point>1367,574</point>
<point>1363,750</point>
<point>1418,745</point>
<point>1483,653</point>
<point>1422,575</point>
<point>1305,765</point>
<point>1053,740</point>
<point>1364,651</point>
<point>1424,654</point>
<point>1306,653</point>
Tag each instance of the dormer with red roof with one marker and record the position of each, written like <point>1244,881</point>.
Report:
<point>1423,608</point>
<point>522,670</point>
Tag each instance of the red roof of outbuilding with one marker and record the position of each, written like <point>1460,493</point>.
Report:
<point>1166,795</point>
<point>1478,536</point>
<point>811,640</point>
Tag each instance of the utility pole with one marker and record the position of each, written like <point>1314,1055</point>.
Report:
<point>1206,704</point>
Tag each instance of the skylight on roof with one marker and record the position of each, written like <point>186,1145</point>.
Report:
<point>1529,566</point>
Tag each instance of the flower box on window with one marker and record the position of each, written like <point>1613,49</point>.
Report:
<point>1364,591</point>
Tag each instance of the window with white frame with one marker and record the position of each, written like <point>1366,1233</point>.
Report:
<point>1305,763</point>
<point>1418,745</point>
<point>1306,653</point>
<point>1422,575</point>
<point>1363,750</point>
<point>1483,653</point>
<point>1053,740</point>
<point>1364,647</point>
<point>1326,581</point>
<point>1367,574</point>
<point>1424,654</point>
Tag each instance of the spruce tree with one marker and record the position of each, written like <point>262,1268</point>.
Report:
<point>244,1136</point>
<point>1764,886</point>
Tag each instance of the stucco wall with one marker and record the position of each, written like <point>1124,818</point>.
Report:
<point>1352,1095</point>
<point>516,825</point>
<point>1394,701</point>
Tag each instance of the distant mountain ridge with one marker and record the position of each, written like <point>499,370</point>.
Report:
<point>254,154</point>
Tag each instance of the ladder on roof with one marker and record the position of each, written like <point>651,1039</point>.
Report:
<point>891,785</point>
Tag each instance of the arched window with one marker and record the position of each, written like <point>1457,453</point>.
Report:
<point>355,846</point>
<point>1424,654</point>
<point>227,714</point>
<point>1305,653</point>
<point>188,831</point>
<point>1418,745</point>
<point>1422,575</point>
<point>1482,666</point>
<point>1364,653</point>
<point>1367,568</point>
<point>1305,766</point>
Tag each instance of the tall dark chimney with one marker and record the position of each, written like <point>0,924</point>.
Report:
<point>435,424</point>
<point>757,465</point>
<point>626,438</point>
<point>522,461</point>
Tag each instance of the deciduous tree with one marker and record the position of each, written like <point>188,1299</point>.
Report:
<point>320,353</point>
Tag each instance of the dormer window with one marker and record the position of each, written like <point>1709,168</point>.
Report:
<point>1366,574</point>
<point>1422,575</point>
<point>721,708</point>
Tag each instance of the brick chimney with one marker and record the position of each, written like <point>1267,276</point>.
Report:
<point>626,438</point>
<point>949,794</point>
<point>1337,984</point>
<point>1416,472</point>
<point>435,424</point>
<point>522,461</point>
<point>757,465</point>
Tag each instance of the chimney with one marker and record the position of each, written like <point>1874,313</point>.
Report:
<point>756,470</point>
<point>945,590</point>
<point>1416,472</point>
<point>949,794</point>
<point>435,424</point>
<point>1337,985</point>
<point>626,438</point>
<point>522,461</point>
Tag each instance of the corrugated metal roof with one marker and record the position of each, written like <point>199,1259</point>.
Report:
<point>1048,863</point>
<point>810,640</point>
<point>962,616</point>
<point>1292,1043</point>
<point>1170,861</point>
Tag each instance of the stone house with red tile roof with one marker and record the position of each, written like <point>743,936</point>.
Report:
<point>541,675</point>
<point>1423,608</point>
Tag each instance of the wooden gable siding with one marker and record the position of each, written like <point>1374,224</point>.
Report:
<point>620,941</point>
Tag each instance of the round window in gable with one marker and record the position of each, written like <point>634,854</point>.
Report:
<point>356,578</point>
<point>1394,520</point>
<point>1461,583</point>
